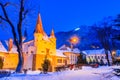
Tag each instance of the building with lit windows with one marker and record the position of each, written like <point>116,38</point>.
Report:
<point>93,56</point>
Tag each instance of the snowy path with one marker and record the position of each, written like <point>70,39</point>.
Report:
<point>68,75</point>
<point>103,73</point>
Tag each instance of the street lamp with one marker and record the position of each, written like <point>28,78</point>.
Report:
<point>73,40</point>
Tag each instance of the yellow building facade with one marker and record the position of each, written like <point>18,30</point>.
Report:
<point>9,60</point>
<point>45,46</point>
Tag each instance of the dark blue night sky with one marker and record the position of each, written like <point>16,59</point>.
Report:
<point>64,15</point>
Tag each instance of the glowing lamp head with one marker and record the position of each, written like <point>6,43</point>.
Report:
<point>74,40</point>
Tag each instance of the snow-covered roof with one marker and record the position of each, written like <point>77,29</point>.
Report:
<point>65,48</point>
<point>60,53</point>
<point>76,50</point>
<point>100,51</point>
<point>14,49</point>
<point>84,52</point>
<point>2,48</point>
<point>28,42</point>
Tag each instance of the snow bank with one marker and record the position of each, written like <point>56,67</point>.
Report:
<point>115,78</point>
<point>86,67</point>
<point>33,72</point>
<point>114,67</point>
<point>101,73</point>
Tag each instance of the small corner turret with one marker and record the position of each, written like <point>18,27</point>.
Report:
<point>52,35</point>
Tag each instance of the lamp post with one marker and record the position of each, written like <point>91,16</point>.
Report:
<point>73,40</point>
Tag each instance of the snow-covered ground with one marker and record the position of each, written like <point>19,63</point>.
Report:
<point>86,73</point>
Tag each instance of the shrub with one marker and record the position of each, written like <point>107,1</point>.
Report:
<point>1,63</point>
<point>45,65</point>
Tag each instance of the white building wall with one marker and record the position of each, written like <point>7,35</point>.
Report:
<point>99,56</point>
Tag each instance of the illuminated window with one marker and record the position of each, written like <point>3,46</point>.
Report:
<point>26,52</point>
<point>59,60</point>
<point>32,52</point>
<point>28,45</point>
<point>102,57</point>
<point>42,51</point>
<point>105,57</point>
<point>91,56</point>
<point>64,61</point>
<point>98,57</point>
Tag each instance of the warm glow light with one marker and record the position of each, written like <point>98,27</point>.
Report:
<point>113,52</point>
<point>74,40</point>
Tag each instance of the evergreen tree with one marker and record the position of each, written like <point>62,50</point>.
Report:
<point>81,59</point>
<point>1,63</point>
<point>45,65</point>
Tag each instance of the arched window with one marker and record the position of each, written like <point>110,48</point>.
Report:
<point>102,57</point>
<point>98,57</point>
<point>32,52</point>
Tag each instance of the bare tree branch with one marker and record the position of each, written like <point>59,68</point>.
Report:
<point>12,26</point>
<point>19,25</point>
<point>13,31</point>
<point>25,13</point>
<point>6,4</point>
<point>0,21</point>
<point>4,11</point>
<point>3,18</point>
<point>19,28</point>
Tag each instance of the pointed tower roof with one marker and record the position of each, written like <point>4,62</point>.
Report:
<point>39,28</point>
<point>52,33</point>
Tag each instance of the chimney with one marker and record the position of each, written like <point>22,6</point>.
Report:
<point>10,44</point>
